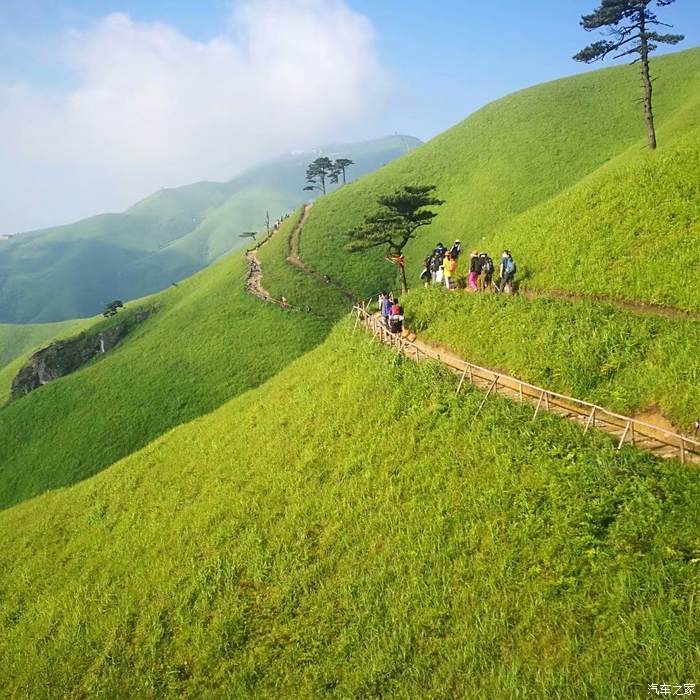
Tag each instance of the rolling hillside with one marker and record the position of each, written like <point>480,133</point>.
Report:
<point>243,500</point>
<point>560,175</point>
<point>71,271</point>
<point>348,530</point>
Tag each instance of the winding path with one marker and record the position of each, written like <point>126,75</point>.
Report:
<point>293,258</point>
<point>661,440</point>
<point>636,307</point>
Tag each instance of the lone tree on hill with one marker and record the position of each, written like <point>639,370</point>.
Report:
<point>112,308</point>
<point>628,23</point>
<point>317,173</point>
<point>402,213</point>
<point>340,167</point>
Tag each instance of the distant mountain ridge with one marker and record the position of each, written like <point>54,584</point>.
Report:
<point>70,271</point>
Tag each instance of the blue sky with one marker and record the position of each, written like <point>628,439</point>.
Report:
<point>448,57</point>
<point>100,105</point>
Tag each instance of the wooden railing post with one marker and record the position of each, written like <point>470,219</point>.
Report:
<point>624,436</point>
<point>590,421</point>
<point>488,393</point>
<point>537,409</point>
<point>682,450</point>
<point>461,381</point>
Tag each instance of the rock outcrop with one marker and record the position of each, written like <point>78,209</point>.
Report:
<point>66,356</point>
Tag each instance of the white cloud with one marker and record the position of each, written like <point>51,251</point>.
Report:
<point>150,107</point>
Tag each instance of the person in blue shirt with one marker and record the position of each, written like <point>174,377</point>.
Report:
<point>507,272</point>
<point>387,303</point>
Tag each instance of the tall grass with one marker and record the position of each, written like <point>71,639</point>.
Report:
<point>349,529</point>
<point>624,361</point>
<point>208,342</point>
<point>558,173</point>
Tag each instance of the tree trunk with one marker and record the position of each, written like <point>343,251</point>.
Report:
<point>323,183</point>
<point>646,81</point>
<point>344,176</point>
<point>402,277</point>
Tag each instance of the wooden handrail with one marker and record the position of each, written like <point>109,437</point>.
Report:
<point>592,412</point>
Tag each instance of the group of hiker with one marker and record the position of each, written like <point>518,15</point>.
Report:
<point>391,312</point>
<point>442,264</point>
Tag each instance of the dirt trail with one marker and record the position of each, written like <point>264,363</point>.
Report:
<point>416,349</point>
<point>294,259</point>
<point>638,307</point>
<point>253,283</point>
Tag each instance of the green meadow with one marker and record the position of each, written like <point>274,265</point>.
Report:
<point>245,501</point>
<point>559,174</point>
<point>202,346</point>
<point>350,530</point>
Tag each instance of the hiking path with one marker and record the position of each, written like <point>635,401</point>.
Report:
<point>657,437</point>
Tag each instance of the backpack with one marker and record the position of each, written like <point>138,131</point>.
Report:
<point>510,267</point>
<point>487,265</point>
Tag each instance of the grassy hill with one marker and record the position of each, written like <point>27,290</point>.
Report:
<point>71,271</point>
<point>244,502</point>
<point>349,530</point>
<point>203,345</point>
<point>560,175</point>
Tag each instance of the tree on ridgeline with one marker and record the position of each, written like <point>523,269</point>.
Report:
<point>318,173</point>
<point>402,213</point>
<point>630,26</point>
<point>340,167</point>
<point>112,308</point>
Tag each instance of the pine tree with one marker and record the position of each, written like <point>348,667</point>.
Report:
<point>402,213</point>
<point>629,23</point>
<point>340,166</point>
<point>318,173</point>
<point>112,308</point>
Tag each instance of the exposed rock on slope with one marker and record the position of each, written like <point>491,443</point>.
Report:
<point>66,356</point>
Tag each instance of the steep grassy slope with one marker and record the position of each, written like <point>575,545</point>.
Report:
<point>207,342</point>
<point>284,280</point>
<point>629,231</point>
<point>559,173</point>
<point>349,530</point>
<point>71,271</point>
<point>624,361</point>
<point>16,340</point>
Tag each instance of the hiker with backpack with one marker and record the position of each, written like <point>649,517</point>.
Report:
<point>386,308</point>
<point>426,275</point>
<point>474,270</point>
<point>396,317</point>
<point>436,264</point>
<point>487,270</point>
<point>456,250</point>
<point>507,271</point>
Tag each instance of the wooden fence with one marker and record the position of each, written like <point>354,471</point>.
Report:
<point>628,429</point>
